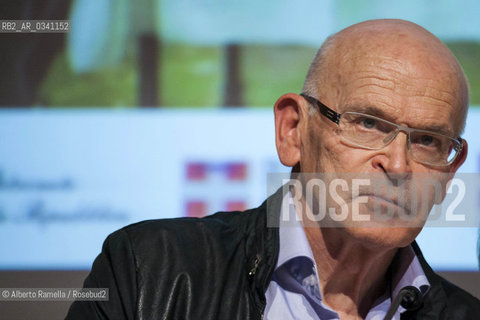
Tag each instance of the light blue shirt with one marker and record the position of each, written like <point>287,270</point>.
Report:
<point>294,292</point>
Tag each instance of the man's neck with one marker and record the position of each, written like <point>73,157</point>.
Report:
<point>352,275</point>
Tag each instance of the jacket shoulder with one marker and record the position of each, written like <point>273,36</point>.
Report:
<point>444,300</point>
<point>215,225</point>
<point>186,238</point>
<point>460,303</point>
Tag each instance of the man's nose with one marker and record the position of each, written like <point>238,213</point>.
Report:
<point>395,159</point>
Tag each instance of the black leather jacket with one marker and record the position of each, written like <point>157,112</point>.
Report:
<point>218,267</point>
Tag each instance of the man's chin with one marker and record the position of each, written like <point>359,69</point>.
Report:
<point>383,236</point>
<point>379,213</point>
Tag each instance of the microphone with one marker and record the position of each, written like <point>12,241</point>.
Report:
<point>408,297</point>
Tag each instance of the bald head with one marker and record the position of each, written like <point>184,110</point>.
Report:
<point>405,49</point>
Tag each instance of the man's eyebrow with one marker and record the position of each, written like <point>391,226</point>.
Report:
<point>377,112</point>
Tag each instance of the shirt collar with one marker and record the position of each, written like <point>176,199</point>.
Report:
<point>293,241</point>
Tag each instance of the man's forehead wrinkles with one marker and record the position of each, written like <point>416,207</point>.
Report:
<point>434,94</point>
<point>377,80</point>
<point>440,122</point>
<point>391,75</point>
<point>374,64</point>
<point>442,96</point>
<point>401,85</point>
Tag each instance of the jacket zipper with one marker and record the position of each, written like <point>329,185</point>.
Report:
<point>256,263</point>
<point>252,272</point>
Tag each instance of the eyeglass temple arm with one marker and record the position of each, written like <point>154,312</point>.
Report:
<point>326,111</point>
<point>459,147</point>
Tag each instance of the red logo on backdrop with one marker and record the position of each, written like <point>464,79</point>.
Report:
<point>208,184</point>
<point>236,171</point>
<point>236,206</point>
<point>196,171</point>
<point>196,209</point>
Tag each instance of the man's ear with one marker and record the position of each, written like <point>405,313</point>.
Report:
<point>289,117</point>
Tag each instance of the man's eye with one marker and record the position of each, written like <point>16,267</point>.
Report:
<point>368,123</point>
<point>426,140</point>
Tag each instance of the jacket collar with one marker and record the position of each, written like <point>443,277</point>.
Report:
<point>263,246</point>
<point>435,300</point>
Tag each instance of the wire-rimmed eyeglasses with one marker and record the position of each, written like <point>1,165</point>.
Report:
<point>370,132</point>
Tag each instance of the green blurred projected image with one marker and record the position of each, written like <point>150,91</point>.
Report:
<point>199,53</point>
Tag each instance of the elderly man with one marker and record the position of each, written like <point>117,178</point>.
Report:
<point>383,98</point>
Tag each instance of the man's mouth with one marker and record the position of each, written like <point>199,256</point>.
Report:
<point>386,200</point>
<point>376,197</point>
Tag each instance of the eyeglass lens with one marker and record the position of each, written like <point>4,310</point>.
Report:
<point>375,133</point>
